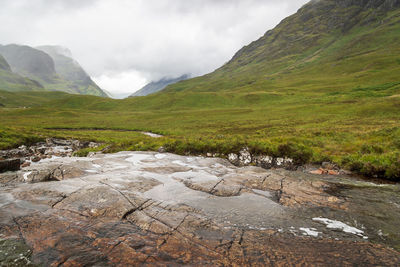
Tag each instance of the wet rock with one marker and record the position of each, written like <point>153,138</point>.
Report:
<point>9,165</point>
<point>37,176</point>
<point>333,172</point>
<point>40,196</point>
<point>144,208</point>
<point>329,166</point>
<point>42,150</point>
<point>25,164</point>
<point>35,158</point>
<point>8,177</point>
<point>61,142</point>
<point>322,171</point>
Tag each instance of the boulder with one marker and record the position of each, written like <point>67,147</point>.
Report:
<point>10,165</point>
<point>244,156</point>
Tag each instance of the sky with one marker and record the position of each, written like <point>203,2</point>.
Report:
<point>124,44</point>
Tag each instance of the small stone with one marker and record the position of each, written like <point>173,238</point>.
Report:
<point>332,172</point>
<point>244,156</point>
<point>319,171</point>
<point>328,165</point>
<point>25,164</point>
<point>93,145</point>
<point>35,158</point>
<point>233,158</point>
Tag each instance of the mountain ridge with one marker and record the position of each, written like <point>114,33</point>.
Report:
<point>157,86</point>
<point>53,72</point>
<point>70,70</point>
<point>320,32</point>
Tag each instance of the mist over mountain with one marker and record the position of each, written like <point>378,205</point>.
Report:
<point>51,67</point>
<point>70,70</point>
<point>30,62</point>
<point>159,85</point>
<point>10,81</point>
<point>4,64</point>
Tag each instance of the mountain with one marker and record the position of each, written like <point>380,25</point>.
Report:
<point>159,85</point>
<point>4,64</point>
<point>10,81</point>
<point>59,74</point>
<point>70,70</point>
<point>29,62</point>
<point>327,46</point>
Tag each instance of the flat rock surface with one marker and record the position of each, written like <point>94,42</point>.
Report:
<point>146,208</point>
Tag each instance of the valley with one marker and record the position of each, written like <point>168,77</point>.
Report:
<point>286,155</point>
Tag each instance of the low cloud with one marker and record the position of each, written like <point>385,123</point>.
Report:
<point>142,39</point>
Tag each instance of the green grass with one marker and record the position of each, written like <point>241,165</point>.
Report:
<point>334,95</point>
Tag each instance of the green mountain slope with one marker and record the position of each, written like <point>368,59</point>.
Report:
<point>39,66</point>
<point>326,47</point>
<point>71,71</point>
<point>30,62</point>
<point>10,81</point>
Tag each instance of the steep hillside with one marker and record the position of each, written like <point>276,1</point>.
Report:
<point>30,62</point>
<point>40,67</point>
<point>10,81</point>
<point>70,70</point>
<point>159,85</point>
<point>327,46</point>
<point>3,64</point>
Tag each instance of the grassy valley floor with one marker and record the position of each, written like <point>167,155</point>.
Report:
<point>361,134</point>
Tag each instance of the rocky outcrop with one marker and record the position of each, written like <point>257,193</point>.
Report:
<point>245,158</point>
<point>43,150</point>
<point>138,208</point>
<point>9,165</point>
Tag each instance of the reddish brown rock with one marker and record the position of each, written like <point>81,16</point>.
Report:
<point>121,210</point>
<point>25,164</point>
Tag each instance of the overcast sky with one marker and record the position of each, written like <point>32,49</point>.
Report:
<point>123,44</point>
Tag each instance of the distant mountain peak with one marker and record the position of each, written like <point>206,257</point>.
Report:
<point>29,62</point>
<point>50,66</point>
<point>56,49</point>
<point>157,86</point>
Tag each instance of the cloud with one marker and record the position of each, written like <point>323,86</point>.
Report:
<point>146,38</point>
<point>121,84</point>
